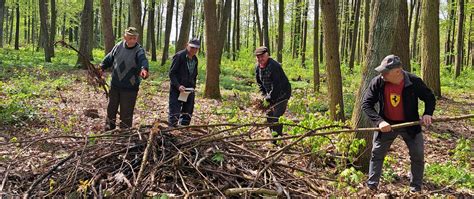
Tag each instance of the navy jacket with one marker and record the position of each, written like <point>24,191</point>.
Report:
<point>280,87</point>
<point>179,73</point>
<point>413,90</point>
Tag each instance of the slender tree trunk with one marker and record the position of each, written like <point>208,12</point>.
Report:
<point>43,8</point>
<point>414,49</point>
<point>237,28</point>
<point>383,27</point>
<point>107,30</point>
<point>2,14</point>
<point>336,105</point>
<point>402,42</point>
<point>447,50</point>
<point>469,42</point>
<point>354,34</point>
<point>304,33</point>
<point>266,38</point>
<point>120,16</point>
<point>176,21</point>
<point>297,29</point>
<point>10,32</point>
<point>7,19</point>
<point>17,27</point>
<point>460,40</point>
<point>85,47</point>
<point>316,75</point>
<point>257,17</point>
<point>151,30</point>
<point>169,20</point>
<point>366,24</point>
<point>159,29</point>
<point>281,24</point>
<point>53,27</point>
<point>185,25</point>
<point>430,45</point>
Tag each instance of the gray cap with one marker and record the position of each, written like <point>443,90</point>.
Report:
<point>132,31</point>
<point>194,42</point>
<point>261,50</point>
<point>388,63</point>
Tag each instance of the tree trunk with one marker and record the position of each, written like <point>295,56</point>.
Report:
<point>43,11</point>
<point>297,25</point>
<point>414,49</point>
<point>53,26</point>
<point>257,17</point>
<point>2,14</point>
<point>169,20</point>
<point>136,16</point>
<point>382,35</point>
<point>176,21</point>
<point>366,25</point>
<point>17,27</point>
<point>215,35</point>
<point>304,33</point>
<point>460,40</point>
<point>151,30</point>
<point>106,17</point>
<point>336,105</point>
<point>402,42</point>
<point>237,28</point>
<point>159,25</point>
<point>430,45</point>
<point>266,38</point>
<point>316,75</point>
<point>120,16</point>
<point>85,47</point>
<point>281,24</point>
<point>354,34</point>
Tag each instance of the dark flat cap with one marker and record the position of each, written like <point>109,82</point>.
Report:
<point>194,42</point>
<point>388,63</point>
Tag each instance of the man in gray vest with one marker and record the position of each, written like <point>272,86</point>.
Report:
<point>129,66</point>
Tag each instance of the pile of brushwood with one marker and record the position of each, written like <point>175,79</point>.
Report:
<point>209,160</point>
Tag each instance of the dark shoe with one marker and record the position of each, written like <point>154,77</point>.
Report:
<point>415,189</point>
<point>109,127</point>
<point>372,187</point>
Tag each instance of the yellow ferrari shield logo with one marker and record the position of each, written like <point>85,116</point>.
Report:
<point>394,99</point>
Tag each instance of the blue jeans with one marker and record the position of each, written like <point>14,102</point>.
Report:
<point>381,144</point>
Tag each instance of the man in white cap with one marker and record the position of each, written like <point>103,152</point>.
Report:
<point>183,75</point>
<point>130,65</point>
<point>397,93</point>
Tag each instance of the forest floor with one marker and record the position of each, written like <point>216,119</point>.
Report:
<point>61,112</point>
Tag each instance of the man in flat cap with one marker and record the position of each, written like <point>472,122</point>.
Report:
<point>274,86</point>
<point>130,65</point>
<point>397,93</point>
<point>183,75</point>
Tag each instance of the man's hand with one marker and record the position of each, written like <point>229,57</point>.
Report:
<point>267,97</point>
<point>144,74</point>
<point>385,127</point>
<point>181,88</point>
<point>426,120</point>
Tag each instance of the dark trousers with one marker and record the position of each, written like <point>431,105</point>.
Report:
<point>381,144</point>
<point>275,111</point>
<point>126,100</point>
<point>180,112</point>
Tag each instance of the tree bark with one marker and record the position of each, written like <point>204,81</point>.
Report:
<point>336,105</point>
<point>151,30</point>
<point>85,47</point>
<point>17,27</point>
<point>43,10</point>
<point>135,17</point>
<point>316,75</point>
<point>304,33</point>
<point>430,45</point>
<point>53,27</point>
<point>257,18</point>
<point>460,40</point>
<point>281,24</point>
<point>414,49</point>
<point>354,34</point>
<point>266,37</point>
<point>107,30</point>
<point>382,35</point>
<point>214,43</point>
<point>402,42</point>
<point>169,20</point>
<point>2,14</point>
<point>366,24</point>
